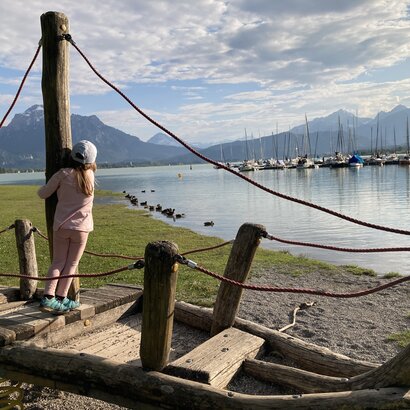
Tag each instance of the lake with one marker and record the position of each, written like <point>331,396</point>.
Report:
<point>379,195</point>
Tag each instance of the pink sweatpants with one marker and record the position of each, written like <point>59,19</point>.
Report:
<point>68,247</point>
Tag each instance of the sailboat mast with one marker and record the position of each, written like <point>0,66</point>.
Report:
<point>246,146</point>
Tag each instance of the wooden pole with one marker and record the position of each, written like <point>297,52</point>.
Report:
<point>27,257</point>
<point>55,87</point>
<point>160,279</point>
<point>237,268</point>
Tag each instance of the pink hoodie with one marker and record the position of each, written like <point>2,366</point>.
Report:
<point>74,209</point>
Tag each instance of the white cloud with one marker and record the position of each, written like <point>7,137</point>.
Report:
<point>299,55</point>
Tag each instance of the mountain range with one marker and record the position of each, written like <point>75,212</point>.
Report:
<point>22,142</point>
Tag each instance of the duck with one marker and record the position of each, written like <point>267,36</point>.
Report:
<point>209,223</point>
<point>143,190</point>
<point>169,212</point>
<point>179,216</point>
<point>143,203</point>
<point>151,207</point>
<point>159,207</point>
<point>152,190</point>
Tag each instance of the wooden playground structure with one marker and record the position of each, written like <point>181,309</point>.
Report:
<point>31,341</point>
<point>137,368</point>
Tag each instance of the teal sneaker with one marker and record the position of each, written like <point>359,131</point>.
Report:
<point>53,306</point>
<point>70,304</point>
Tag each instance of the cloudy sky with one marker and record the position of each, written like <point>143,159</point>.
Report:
<point>208,69</point>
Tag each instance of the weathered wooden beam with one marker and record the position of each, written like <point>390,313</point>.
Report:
<point>160,281</point>
<point>27,257</point>
<point>55,87</point>
<point>237,268</point>
<point>56,101</point>
<point>217,360</point>
<point>308,355</point>
<point>133,387</point>
<point>395,372</point>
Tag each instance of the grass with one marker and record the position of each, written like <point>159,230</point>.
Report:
<point>403,338</point>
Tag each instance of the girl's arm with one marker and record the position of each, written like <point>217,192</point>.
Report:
<point>53,183</point>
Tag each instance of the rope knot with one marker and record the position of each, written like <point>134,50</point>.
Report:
<point>184,261</point>
<point>67,37</point>
<point>139,264</point>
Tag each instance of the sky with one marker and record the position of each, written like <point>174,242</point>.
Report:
<point>209,69</point>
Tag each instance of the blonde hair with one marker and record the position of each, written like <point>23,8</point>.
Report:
<point>84,182</point>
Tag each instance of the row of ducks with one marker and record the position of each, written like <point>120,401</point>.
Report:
<point>169,212</point>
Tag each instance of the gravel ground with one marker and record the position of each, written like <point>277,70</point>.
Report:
<point>356,327</point>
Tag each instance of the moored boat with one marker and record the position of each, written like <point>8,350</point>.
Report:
<point>356,161</point>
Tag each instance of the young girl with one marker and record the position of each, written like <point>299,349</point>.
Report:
<point>73,221</point>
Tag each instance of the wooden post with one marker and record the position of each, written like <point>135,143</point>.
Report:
<point>27,257</point>
<point>160,279</point>
<point>237,268</point>
<point>55,87</point>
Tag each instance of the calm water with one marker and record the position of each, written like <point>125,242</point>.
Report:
<point>380,195</point>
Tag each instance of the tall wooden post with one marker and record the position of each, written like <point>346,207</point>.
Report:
<point>27,257</point>
<point>55,87</point>
<point>160,280</point>
<point>237,268</point>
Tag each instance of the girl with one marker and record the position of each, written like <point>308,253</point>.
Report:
<point>73,221</point>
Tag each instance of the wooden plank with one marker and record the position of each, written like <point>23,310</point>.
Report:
<point>133,387</point>
<point>83,312</point>
<point>103,300</point>
<point>9,295</point>
<point>22,331</point>
<point>7,336</point>
<point>217,360</point>
<point>125,290</point>
<point>124,285</point>
<point>83,326</point>
<point>98,305</point>
<point>32,316</point>
<point>12,305</point>
<point>39,320</point>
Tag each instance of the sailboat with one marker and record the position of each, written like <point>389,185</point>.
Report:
<point>248,164</point>
<point>393,158</point>
<point>405,160</point>
<point>222,161</point>
<point>377,158</point>
<point>339,160</point>
<point>355,160</point>
<point>304,162</point>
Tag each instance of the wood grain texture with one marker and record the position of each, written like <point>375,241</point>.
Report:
<point>27,257</point>
<point>237,268</point>
<point>160,280</point>
<point>216,361</point>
